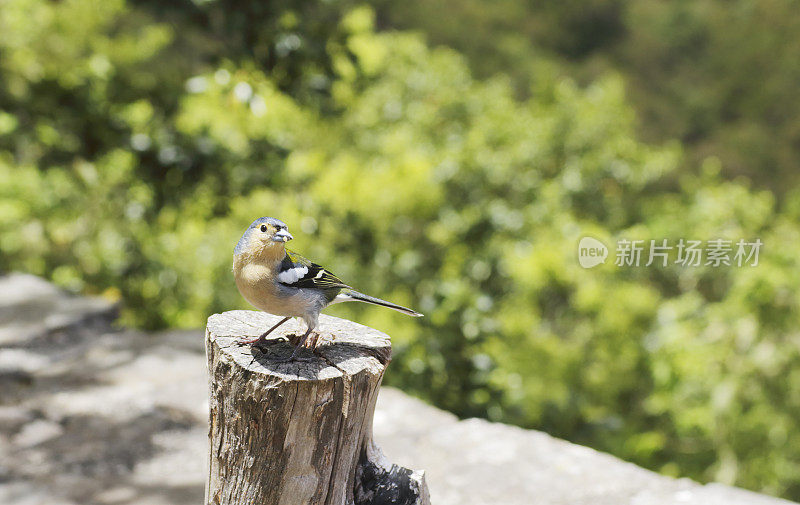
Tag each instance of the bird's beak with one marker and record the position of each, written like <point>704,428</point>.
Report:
<point>282,236</point>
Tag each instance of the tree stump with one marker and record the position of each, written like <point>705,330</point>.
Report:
<point>298,432</point>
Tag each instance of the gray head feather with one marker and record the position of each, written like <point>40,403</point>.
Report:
<point>244,241</point>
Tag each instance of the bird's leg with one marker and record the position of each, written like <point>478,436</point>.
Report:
<point>311,343</point>
<point>261,338</point>
<point>297,348</point>
<point>301,344</point>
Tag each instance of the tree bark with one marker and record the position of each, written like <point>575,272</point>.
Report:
<point>298,432</point>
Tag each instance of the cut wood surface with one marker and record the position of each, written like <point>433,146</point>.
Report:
<point>298,432</point>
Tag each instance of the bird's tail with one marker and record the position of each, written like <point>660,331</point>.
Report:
<point>352,295</point>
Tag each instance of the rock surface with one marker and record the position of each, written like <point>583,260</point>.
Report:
<point>90,414</point>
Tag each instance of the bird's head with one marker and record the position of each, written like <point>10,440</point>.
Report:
<point>264,236</point>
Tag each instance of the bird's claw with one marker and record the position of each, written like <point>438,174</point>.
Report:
<point>299,342</point>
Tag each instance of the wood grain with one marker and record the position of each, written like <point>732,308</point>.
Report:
<point>298,432</point>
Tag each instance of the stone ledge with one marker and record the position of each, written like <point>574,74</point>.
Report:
<point>477,462</point>
<point>32,308</point>
<point>119,417</point>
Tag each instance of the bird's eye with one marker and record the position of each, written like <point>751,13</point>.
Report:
<point>263,228</point>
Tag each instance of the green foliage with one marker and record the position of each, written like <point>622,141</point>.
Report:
<point>719,75</point>
<point>131,169</point>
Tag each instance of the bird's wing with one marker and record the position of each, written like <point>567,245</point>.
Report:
<point>298,272</point>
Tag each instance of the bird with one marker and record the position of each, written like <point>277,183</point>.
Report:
<point>281,282</point>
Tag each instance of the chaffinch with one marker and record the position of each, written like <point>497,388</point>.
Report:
<point>284,283</point>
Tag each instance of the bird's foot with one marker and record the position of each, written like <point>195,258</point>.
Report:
<point>261,339</point>
<point>300,342</point>
<point>248,341</point>
<point>308,341</point>
<point>311,341</point>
